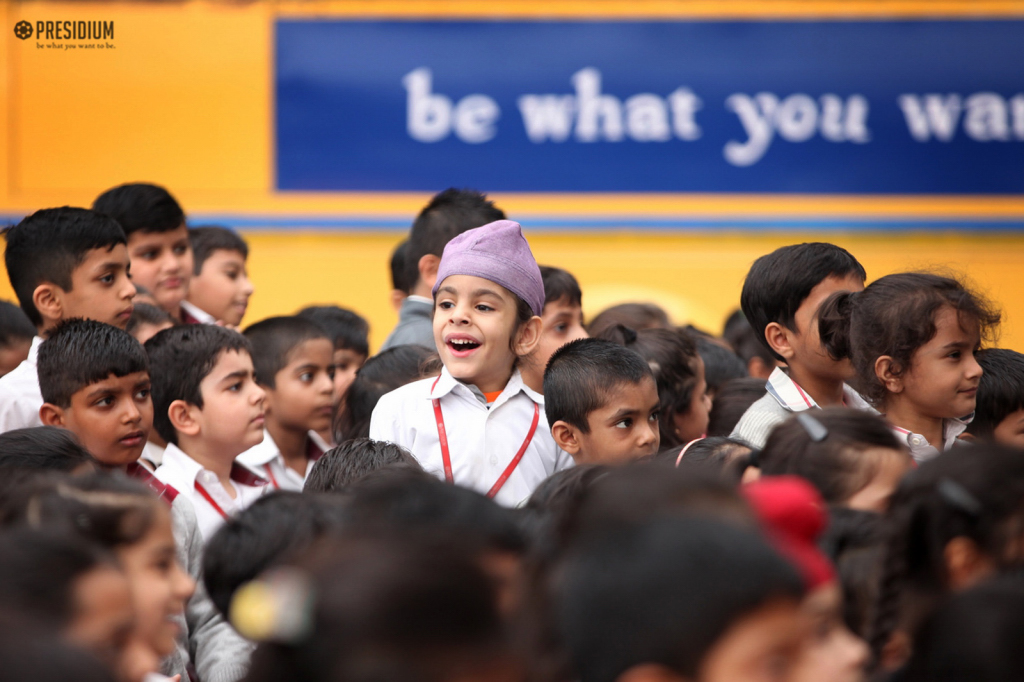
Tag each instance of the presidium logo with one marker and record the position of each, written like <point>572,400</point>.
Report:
<point>67,30</point>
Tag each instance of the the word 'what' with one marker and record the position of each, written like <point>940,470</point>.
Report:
<point>589,115</point>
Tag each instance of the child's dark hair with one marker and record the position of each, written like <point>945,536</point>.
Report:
<point>42,448</point>
<point>975,635</point>
<point>269,532</point>
<point>976,494</point>
<point>664,593</point>
<point>345,464</point>
<point>582,375</point>
<point>205,239</point>
<point>39,570</point>
<point>30,653</point>
<point>48,245</point>
<point>346,329</point>
<point>141,207</point>
<point>108,509</point>
<point>633,315</point>
<point>373,619</point>
<point>726,457</point>
<point>1000,392</point>
<point>273,340</point>
<point>720,363</point>
<point>145,313</point>
<point>399,273</point>
<point>894,316</point>
<point>732,400</point>
<point>855,542</point>
<point>672,356</point>
<point>379,375</point>
<point>745,341</point>
<point>778,283</point>
<point>421,503</point>
<point>15,327</point>
<point>830,451</point>
<point>81,352</point>
<point>560,285</point>
<point>449,214</point>
<point>180,358</point>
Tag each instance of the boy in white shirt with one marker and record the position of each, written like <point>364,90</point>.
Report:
<point>220,286</point>
<point>294,360</point>
<point>209,409</point>
<point>62,263</point>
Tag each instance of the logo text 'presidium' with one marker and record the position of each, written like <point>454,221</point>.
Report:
<point>74,30</point>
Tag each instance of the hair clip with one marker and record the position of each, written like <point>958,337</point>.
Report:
<point>958,496</point>
<point>628,335</point>
<point>754,458</point>
<point>275,607</point>
<point>814,428</point>
<point>685,448</point>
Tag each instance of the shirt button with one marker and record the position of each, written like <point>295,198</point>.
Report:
<point>915,440</point>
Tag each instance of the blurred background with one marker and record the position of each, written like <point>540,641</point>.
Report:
<point>652,148</point>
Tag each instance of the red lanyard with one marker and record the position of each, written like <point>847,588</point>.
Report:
<point>270,475</point>
<point>442,435</point>
<point>202,491</point>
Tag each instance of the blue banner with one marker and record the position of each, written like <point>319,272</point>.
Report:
<point>873,107</point>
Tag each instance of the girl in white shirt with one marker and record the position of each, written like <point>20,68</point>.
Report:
<point>478,424</point>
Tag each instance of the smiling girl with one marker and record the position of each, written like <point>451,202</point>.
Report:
<point>912,339</point>
<point>478,424</point>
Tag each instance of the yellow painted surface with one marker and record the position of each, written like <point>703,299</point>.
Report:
<point>184,99</point>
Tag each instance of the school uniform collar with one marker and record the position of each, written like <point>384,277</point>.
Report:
<point>188,468</point>
<point>793,398</point>
<point>190,314</point>
<point>33,351</point>
<point>267,451</point>
<point>446,384</point>
<point>919,446</point>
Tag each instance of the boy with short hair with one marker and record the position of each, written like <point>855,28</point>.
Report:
<point>602,402</point>
<point>157,241</point>
<point>449,214</point>
<point>220,286</point>
<point>999,412</point>
<point>95,380</point>
<point>62,263</point>
<point>350,334</point>
<point>561,320</point>
<point>209,409</point>
<point>781,296</point>
<point>294,359</point>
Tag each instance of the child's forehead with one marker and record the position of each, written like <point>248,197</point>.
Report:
<point>222,255</point>
<point>466,285</point>
<point>231,360</point>
<point>113,382</point>
<point>314,350</point>
<point>629,395</point>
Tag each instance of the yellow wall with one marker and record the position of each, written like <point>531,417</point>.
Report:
<point>184,99</point>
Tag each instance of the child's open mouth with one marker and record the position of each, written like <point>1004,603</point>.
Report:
<point>462,346</point>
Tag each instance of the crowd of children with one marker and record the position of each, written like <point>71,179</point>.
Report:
<point>830,491</point>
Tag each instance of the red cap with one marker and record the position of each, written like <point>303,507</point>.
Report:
<point>793,515</point>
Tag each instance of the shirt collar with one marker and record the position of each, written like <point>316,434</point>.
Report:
<point>263,453</point>
<point>793,398</point>
<point>919,446</point>
<point>446,384</point>
<point>197,314</point>
<point>190,468</point>
<point>33,351</point>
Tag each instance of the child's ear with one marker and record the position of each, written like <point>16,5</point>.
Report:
<point>428,269</point>
<point>565,437</point>
<point>650,672</point>
<point>184,417</point>
<point>49,301</point>
<point>777,337</point>
<point>888,373</point>
<point>51,415</point>
<point>528,336</point>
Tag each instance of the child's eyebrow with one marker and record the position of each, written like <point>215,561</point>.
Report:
<point>240,374</point>
<point>624,412</point>
<point>486,292</point>
<point>310,365</point>
<point>101,390</point>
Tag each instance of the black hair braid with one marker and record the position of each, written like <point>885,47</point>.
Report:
<point>893,580</point>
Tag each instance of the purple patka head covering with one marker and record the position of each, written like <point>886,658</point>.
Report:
<point>497,252</point>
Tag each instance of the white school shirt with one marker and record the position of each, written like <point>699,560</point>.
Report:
<point>482,440</point>
<point>266,460</point>
<point>784,398</point>
<point>921,449</point>
<point>193,315</point>
<point>184,474</point>
<point>20,398</point>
